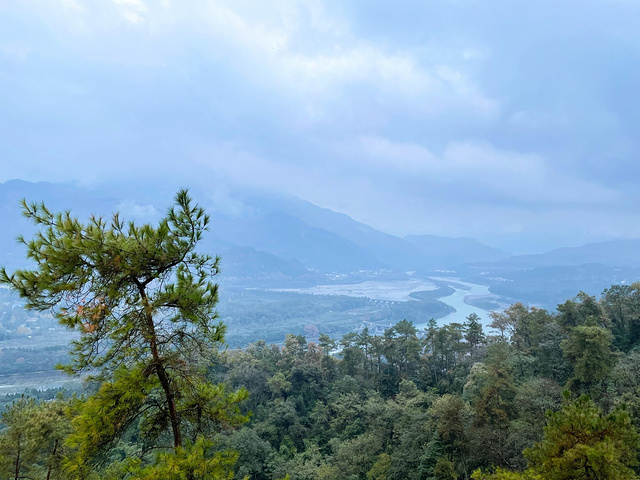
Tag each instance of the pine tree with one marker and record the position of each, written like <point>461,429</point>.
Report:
<point>581,442</point>
<point>143,302</point>
<point>588,348</point>
<point>473,333</point>
<point>18,444</point>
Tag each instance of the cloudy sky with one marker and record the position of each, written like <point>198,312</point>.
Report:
<point>514,122</point>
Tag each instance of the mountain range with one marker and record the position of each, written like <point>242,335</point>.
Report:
<point>269,237</point>
<point>614,253</point>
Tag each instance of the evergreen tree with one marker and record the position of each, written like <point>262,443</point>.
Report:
<point>18,443</point>
<point>581,442</point>
<point>495,409</point>
<point>473,333</point>
<point>32,442</point>
<point>621,304</point>
<point>588,348</point>
<point>142,300</point>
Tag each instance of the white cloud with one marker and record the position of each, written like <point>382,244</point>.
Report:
<point>131,209</point>
<point>528,120</point>
<point>340,60</point>
<point>378,152</point>
<point>472,165</point>
<point>17,50</point>
<point>73,5</point>
<point>133,11</point>
<point>116,88</point>
<point>318,73</point>
<point>292,48</point>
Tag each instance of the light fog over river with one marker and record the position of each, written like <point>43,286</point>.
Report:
<point>400,291</point>
<point>393,291</point>
<point>456,300</point>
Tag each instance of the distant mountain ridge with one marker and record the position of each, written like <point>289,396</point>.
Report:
<point>388,250</point>
<point>287,237</point>
<point>269,241</point>
<point>449,251</point>
<point>613,253</point>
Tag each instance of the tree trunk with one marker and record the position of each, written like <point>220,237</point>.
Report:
<point>160,370</point>
<point>55,448</point>
<point>171,402</point>
<point>17,470</point>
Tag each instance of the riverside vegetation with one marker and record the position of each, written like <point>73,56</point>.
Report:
<point>546,395</point>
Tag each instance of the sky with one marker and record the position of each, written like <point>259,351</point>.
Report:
<point>513,122</point>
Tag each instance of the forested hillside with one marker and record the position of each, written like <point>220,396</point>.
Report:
<point>451,400</point>
<point>552,395</point>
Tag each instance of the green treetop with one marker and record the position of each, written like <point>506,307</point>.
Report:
<point>580,442</point>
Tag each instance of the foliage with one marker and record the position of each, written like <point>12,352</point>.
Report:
<point>441,403</point>
<point>192,461</point>
<point>501,474</point>
<point>32,442</point>
<point>582,442</point>
<point>588,348</point>
<point>142,300</point>
<point>621,304</point>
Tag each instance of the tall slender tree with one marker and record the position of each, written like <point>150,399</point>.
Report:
<point>142,299</point>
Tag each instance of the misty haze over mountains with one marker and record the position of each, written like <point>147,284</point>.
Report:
<point>501,121</point>
<point>426,216</point>
<point>269,240</point>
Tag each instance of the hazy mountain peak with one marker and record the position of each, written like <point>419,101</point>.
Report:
<point>622,252</point>
<point>455,249</point>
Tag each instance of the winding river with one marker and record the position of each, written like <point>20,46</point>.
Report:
<point>457,301</point>
<point>400,291</point>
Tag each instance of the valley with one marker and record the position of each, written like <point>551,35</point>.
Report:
<point>288,266</point>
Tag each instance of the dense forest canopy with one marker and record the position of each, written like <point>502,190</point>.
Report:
<point>541,395</point>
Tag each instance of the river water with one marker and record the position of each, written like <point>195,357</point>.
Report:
<point>457,301</point>
<point>400,291</point>
<point>17,383</point>
<point>393,291</point>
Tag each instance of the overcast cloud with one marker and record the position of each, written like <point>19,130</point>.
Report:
<point>513,122</point>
